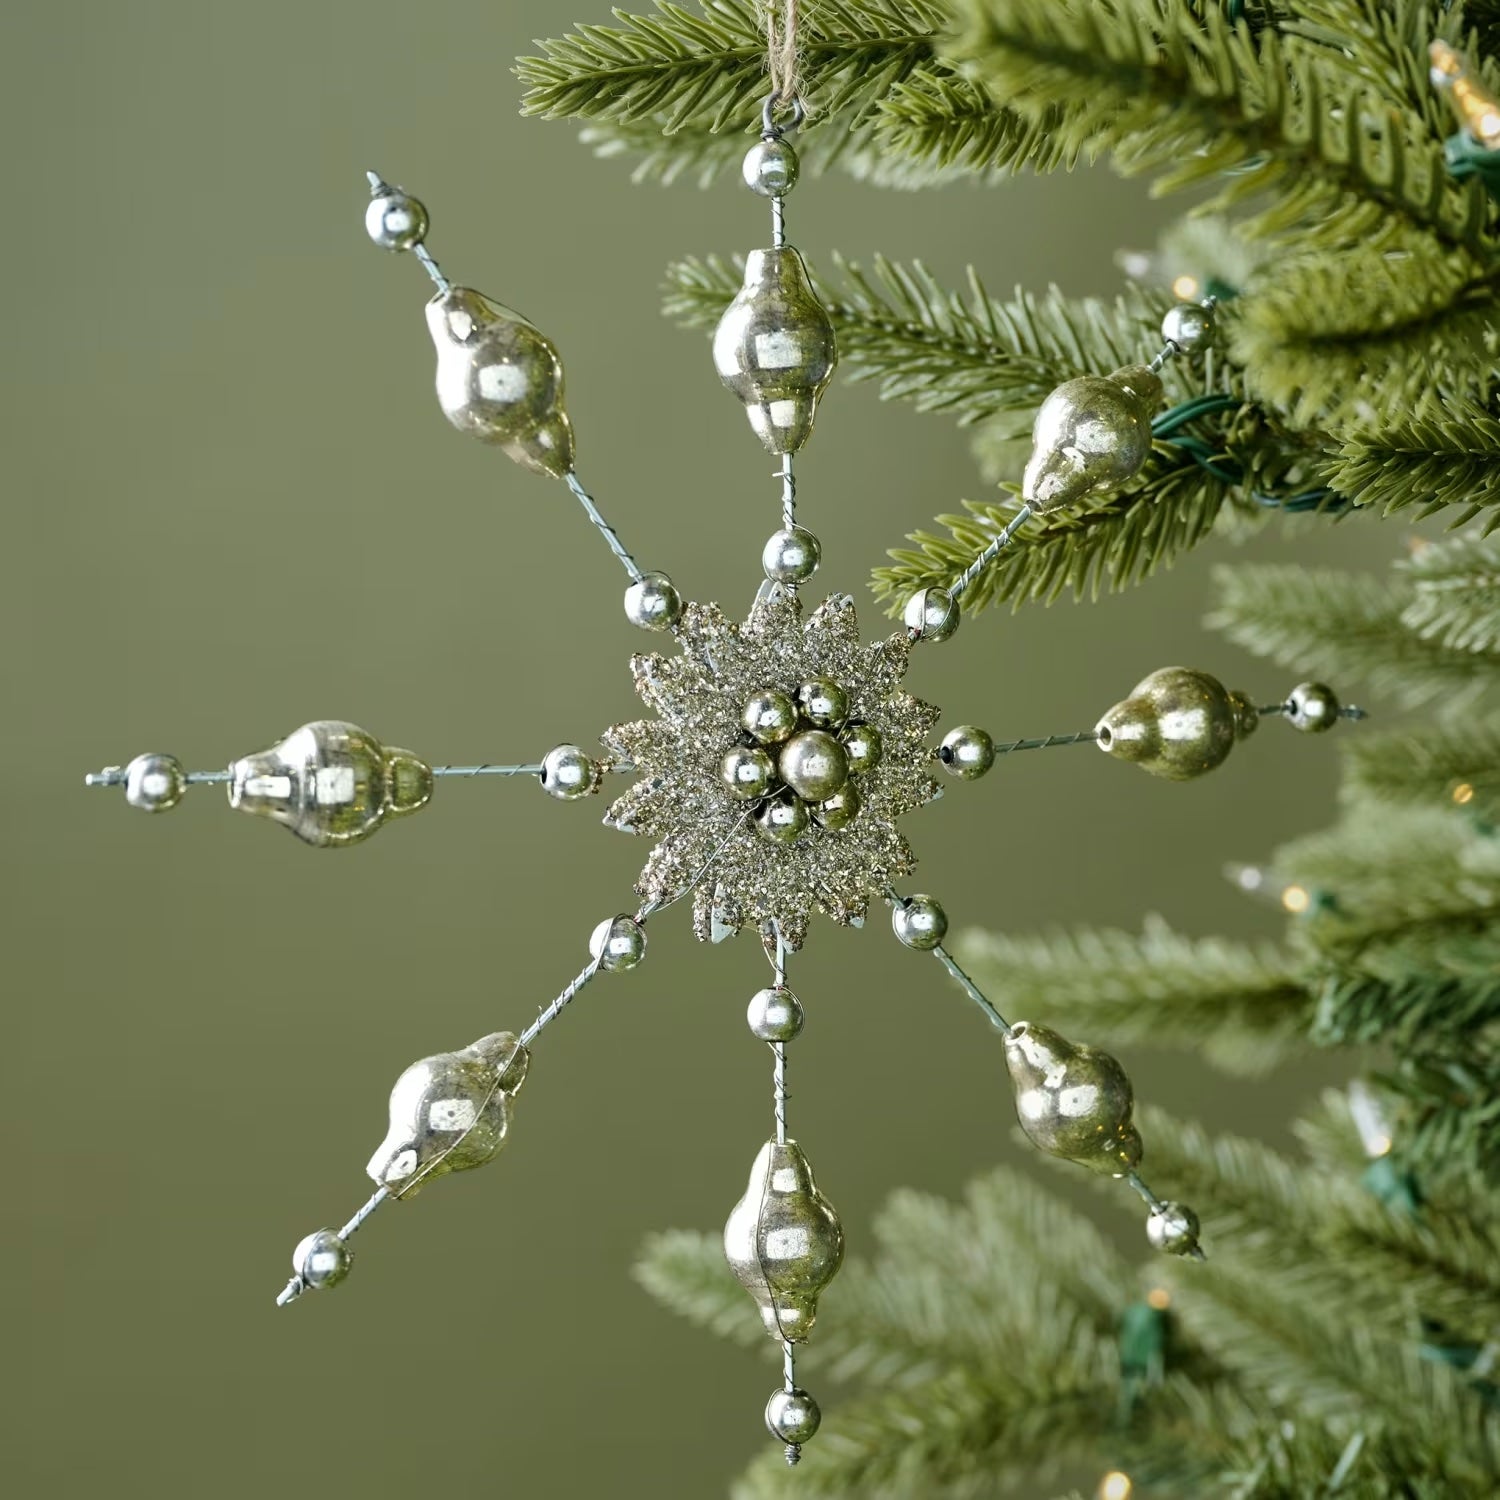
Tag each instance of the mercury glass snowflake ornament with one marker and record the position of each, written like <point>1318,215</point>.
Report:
<point>778,759</point>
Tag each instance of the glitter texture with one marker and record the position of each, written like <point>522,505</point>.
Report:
<point>681,801</point>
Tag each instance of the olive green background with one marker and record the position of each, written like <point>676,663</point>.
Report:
<point>232,506</point>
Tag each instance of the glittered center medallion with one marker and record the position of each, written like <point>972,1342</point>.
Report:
<point>782,754</point>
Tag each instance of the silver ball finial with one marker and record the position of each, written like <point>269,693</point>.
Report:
<point>652,602</point>
<point>770,168</point>
<point>322,1259</point>
<point>1189,325</point>
<point>920,923</point>
<point>775,1015</point>
<point>568,773</point>
<point>931,614</point>
<point>155,783</point>
<point>791,555</point>
<point>394,220</point>
<point>618,943</point>
<point>1173,1228</point>
<point>792,1415</point>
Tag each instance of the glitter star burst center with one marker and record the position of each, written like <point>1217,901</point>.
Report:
<point>683,801</point>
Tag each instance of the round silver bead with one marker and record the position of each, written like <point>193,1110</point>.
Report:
<point>1189,325</point>
<point>322,1259</point>
<point>155,783</point>
<point>839,810</point>
<point>770,168</point>
<point>770,716</point>
<point>1173,1228</point>
<point>748,772</point>
<point>783,821</point>
<point>1312,707</point>
<point>862,745</point>
<point>395,220</point>
<point>775,1015</point>
<point>813,764</point>
<point>791,556</point>
<point>823,702</point>
<point>932,614</point>
<point>792,1415</point>
<point>618,943</point>
<point>568,773</point>
<point>653,603</point>
<point>921,923</point>
<point>967,752</point>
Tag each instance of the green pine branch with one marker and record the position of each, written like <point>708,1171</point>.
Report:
<point>1188,97</point>
<point>1427,765</point>
<point>1244,1008</point>
<point>1455,598</point>
<point>1287,612</point>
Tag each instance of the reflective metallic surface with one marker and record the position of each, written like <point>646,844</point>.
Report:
<point>823,702</point>
<point>770,168</point>
<point>774,348</point>
<point>395,220</point>
<point>784,1241</point>
<point>449,1113</point>
<point>155,783</point>
<point>1312,707</point>
<point>618,942</point>
<point>1090,432</point>
<point>792,1415</point>
<point>1177,723</point>
<point>920,923</point>
<point>1173,1228</point>
<point>322,1259</point>
<point>783,821</point>
<point>748,771</point>
<point>1189,325</point>
<point>1073,1102</point>
<point>839,810</point>
<point>813,764</point>
<point>569,774</point>
<point>967,752</point>
<point>500,380</point>
<point>774,1014</point>
<point>932,613</point>
<point>791,555</point>
<point>652,602</point>
<point>770,715</point>
<point>331,783</point>
<point>862,746</point>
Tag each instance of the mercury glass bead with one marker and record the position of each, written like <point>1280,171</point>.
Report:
<point>748,772</point>
<point>652,602</point>
<point>1176,723</point>
<point>783,821</point>
<point>1090,432</point>
<point>1312,708</point>
<point>791,555</point>
<point>774,348</point>
<point>500,380</point>
<point>1073,1102</point>
<point>770,168</point>
<point>155,783</point>
<point>618,943</point>
<point>839,810</point>
<point>862,747</point>
<point>920,923</point>
<point>770,715</point>
<point>967,752</point>
<point>1189,325</point>
<point>792,1415</point>
<point>395,220</point>
<point>449,1113</point>
<point>331,783</point>
<point>775,1015</point>
<point>932,614</point>
<point>568,773</point>
<point>783,1241</point>
<point>322,1259</point>
<point>823,703</point>
<point>1173,1228</point>
<point>813,764</point>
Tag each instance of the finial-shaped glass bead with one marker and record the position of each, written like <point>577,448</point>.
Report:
<point>1073,1102</point>
<point>784,1241</point>
<point>331,783</point>
<point>1177,723</point>
<point>791,555</point>
<point>449,1113</point>
<point>1312,707</point>
<point>322,1259</point>
<point>1173,1228</point>
<point>500,379</point>
<point>931,614</point>
<point>920,922</point>
<point>1189,325</point>
<point>770,168</point>
<point>395,220</point>
<point>1090,432</point>
<point>155,783</point>
<point>774,348</point>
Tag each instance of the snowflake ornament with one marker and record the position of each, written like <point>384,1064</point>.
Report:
<point>776,763</point>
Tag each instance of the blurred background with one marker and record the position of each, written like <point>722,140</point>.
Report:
<point>233,507</point>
